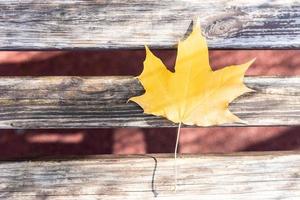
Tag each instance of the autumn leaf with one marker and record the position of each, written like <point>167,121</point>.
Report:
<point>194,94</point>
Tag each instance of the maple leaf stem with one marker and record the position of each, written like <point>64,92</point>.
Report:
<point>175,156</point>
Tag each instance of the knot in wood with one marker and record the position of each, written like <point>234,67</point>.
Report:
<point>225,27</point>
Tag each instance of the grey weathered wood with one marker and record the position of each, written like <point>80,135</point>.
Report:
<point>272,175</point>
<point>90,102</point>
<point>60,24</point>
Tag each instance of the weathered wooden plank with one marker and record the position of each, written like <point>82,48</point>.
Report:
<point>90,102</point>
<point>272,175</point>
<point>89,24</point>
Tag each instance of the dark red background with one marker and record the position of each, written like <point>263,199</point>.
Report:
<point>25,143</point>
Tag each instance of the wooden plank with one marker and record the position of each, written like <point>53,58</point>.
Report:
<point>269,175</point>
<point>91,102</point>
<point>89,24</point>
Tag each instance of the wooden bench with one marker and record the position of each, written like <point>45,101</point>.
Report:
<point>90,102</point>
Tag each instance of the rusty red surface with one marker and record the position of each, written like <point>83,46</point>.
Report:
<point>28,143</point>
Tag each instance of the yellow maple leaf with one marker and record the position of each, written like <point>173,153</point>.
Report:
<point>194,94</point>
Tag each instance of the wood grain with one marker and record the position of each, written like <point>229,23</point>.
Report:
<point>272,175</point>
<point>91,24</point>
<point>92,102</point>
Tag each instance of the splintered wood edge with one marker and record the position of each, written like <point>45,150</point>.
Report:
<point>247,175</point>
<point>130,24</point>
<point>94,102</point>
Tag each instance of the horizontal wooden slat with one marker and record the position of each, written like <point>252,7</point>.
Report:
<point>90,102</point>
<point>89,24</point>
<point>273,175</point>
